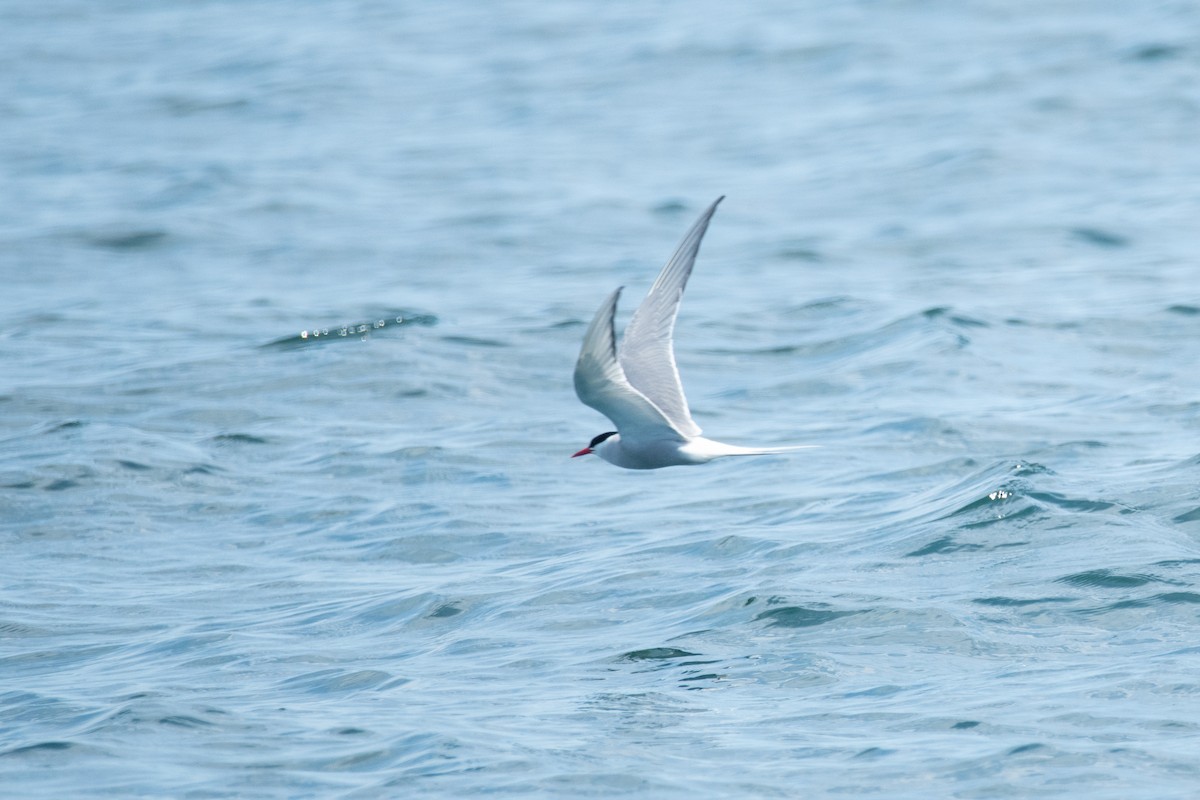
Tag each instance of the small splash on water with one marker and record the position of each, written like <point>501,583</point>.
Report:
<point>358,330</point>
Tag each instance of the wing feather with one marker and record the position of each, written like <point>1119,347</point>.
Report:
<point>647,355</point>
<point>600,383</point>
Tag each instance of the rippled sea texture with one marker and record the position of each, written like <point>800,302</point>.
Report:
<point>291,297</point>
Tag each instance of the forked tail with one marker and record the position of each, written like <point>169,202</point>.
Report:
<point>707,449</point>
<point>734,450</point>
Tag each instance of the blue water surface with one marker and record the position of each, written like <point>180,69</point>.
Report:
<point>290,295</point>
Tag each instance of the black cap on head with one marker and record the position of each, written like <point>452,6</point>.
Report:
<point>601,438</point>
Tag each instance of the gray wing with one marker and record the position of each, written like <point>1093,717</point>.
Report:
<point>601,383</point>
<point>647,354</point>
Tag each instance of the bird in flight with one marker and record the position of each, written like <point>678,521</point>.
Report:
<point>637,386</point>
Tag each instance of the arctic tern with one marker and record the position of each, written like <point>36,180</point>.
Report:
<point>638,386</point>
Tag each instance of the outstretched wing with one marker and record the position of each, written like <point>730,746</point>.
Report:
<point>647,354</point>
<point>601,383</point>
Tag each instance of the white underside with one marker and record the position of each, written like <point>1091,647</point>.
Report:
<point>675,453</point>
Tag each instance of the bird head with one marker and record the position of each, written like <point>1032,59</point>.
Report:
<point>594,443</point>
